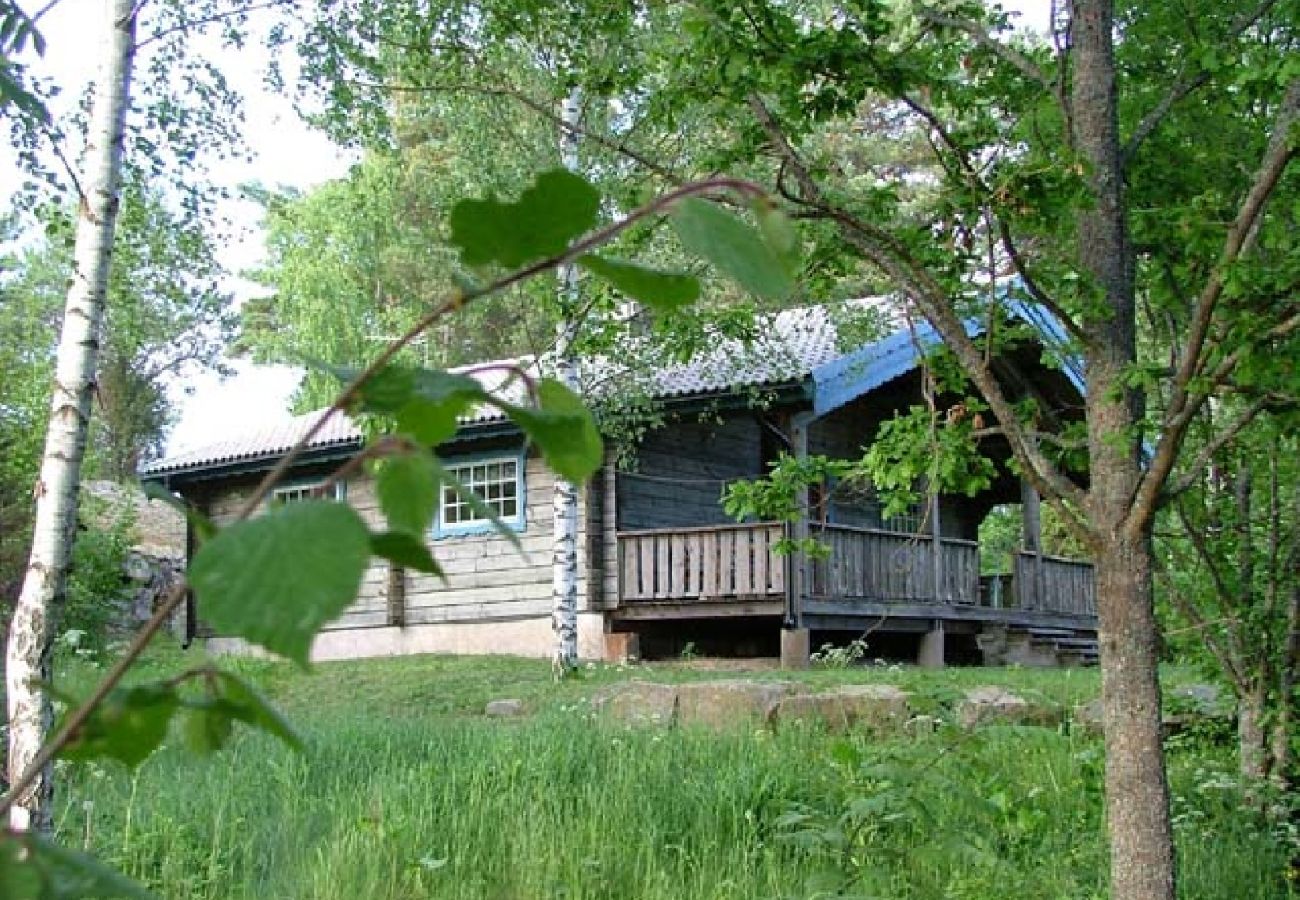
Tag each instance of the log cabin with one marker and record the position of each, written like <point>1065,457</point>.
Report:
<point>662,568</point>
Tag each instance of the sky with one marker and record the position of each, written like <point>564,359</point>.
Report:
<point>284,152</point>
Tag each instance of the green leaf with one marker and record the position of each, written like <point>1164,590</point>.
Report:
<point>245,704</point>
<point>405,549</point>
<point>277,579</point>
<point>563,429</point>
<point>733,247</point>
<point>779,233</point>
<point>34,868</point>
<point>429,423</point>
<point>661,290</point>
<point>128,726</point>
<point>207,727</point>
<point>438,398</point>
<point>407,486</point>
<point>560,206</point>
<point>385,392</point>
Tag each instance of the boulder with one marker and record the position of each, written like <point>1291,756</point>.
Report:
<point>639,703</point>
<point>1086,717</point>
<point>998,706</point>
<point>872,707</point>
<point>504,709</point>
<point>722,704</point>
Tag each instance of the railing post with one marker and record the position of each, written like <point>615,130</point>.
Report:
<point>936,536</point>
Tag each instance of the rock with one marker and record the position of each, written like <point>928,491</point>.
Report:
<point>998,706</point>
<point>504,709</point>
<point>1086,717</point>
<point>639,703</point>
<point>723,704</point>
<point>873,707</point>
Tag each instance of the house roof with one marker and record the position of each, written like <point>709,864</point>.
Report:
<point>797,342</point>
<point>798,346</point>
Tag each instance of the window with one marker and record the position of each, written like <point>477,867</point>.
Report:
<point>308,490</point>
<point>498,484</point>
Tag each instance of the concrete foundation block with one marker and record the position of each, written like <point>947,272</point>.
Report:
<point>796,648</point>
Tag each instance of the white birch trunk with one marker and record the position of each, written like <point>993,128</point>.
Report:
<point>564,562</point>
<point>32,630</point>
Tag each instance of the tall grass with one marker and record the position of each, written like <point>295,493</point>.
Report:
<point>396,800</point>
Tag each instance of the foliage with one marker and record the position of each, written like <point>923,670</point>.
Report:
<point>168,319</point>
<point>833,657</point>
<point>699,814</point>
<point>96,579</point>
<point>240,573</point>
<point>1229,578</point>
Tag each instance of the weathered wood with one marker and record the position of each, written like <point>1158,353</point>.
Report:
<point>677,578</point>
<point>700,563</point>
<point>396,595</point>
<point>1053,584</point>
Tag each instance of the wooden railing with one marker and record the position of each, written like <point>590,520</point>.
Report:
<point>713,563</point>
<point>892,567</point>
<point>1054,584</point>
<point>739,562</point>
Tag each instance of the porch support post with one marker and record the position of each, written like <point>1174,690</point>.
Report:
<point>796,648</point>
<point>936,536</point>
<point>799,582</point>
<point>931,651</point>
<point>1032,527</point>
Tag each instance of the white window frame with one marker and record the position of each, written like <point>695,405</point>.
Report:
<point>297,491</point>
<point>462,468</point>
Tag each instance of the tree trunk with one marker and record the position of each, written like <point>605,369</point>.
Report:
<point>35,614</point>
<point>1252,739</point>
<point>564,573</point>
<point>1137,793</point>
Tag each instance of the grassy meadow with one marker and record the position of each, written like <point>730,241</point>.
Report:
<point>408,791</point>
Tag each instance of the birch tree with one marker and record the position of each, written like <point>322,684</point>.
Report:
<point>32,628</point>
<point>564,574</point>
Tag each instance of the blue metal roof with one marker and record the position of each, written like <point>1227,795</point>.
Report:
<point>843,380</point>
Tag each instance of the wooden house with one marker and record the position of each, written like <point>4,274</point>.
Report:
<point>662,568</point>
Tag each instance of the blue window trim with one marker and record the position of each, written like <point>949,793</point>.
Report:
<point>518,523</point>
<point>340,488</point>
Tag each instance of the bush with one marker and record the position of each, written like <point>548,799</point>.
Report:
<point>96,580</point>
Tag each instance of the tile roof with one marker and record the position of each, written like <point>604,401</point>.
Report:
<point>797,342</point>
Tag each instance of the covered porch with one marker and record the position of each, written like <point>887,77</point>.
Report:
<point>675,556</point>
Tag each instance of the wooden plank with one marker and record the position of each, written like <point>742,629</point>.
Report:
<point>646,547</point>
<point>742,555</point>
<point>776,573</point>
<point>630,587</point>
<point>677,566</point>
<point>726,563</point>
<point>661,563</point>
<point>709,565</point>
<point>762,553</point>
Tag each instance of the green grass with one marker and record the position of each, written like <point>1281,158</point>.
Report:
<point>408,791</point>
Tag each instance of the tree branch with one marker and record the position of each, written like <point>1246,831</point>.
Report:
<point>184,27</point>
<point>985,39</point>
<point>1184,404</point>
<point>1207,453</point>
<point>928,296</point>
<point>1184,84</point>
<point>537,106</point>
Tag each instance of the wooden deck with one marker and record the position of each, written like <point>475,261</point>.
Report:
<point>734,570</point>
